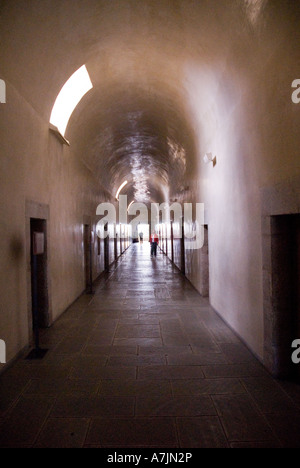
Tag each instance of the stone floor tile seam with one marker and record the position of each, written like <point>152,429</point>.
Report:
<point>261,414</point>
<point>255,402</point>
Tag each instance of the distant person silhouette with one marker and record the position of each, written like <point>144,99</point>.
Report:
<point>154,242</point>
<point>141,237</point>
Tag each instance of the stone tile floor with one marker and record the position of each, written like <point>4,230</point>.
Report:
<point>145,362</point>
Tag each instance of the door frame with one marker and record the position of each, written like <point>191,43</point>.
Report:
<point>106,248</point>
<point>37,210</point>
<point>281,199</point>
<point>172,241</point>
<point>204,264</point>
<point>182,249</point>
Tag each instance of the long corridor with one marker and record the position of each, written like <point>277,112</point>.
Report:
<point>145,362</point>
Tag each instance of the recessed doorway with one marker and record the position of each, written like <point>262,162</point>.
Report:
<point>281,293</point>
<point>39,273</point>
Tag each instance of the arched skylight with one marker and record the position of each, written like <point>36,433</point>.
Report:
<point>69,96</point>
<point>120,188</point>
<point>130,205</point>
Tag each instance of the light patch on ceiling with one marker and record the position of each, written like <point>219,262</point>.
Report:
<point>177,154</point>
<point>139,177</point>
<point>254,9</point>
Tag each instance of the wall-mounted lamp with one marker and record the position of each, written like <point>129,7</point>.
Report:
<point>208,157</point>
<point>120,188</point>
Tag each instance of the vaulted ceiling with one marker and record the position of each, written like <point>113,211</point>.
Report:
<point>135,124</point>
